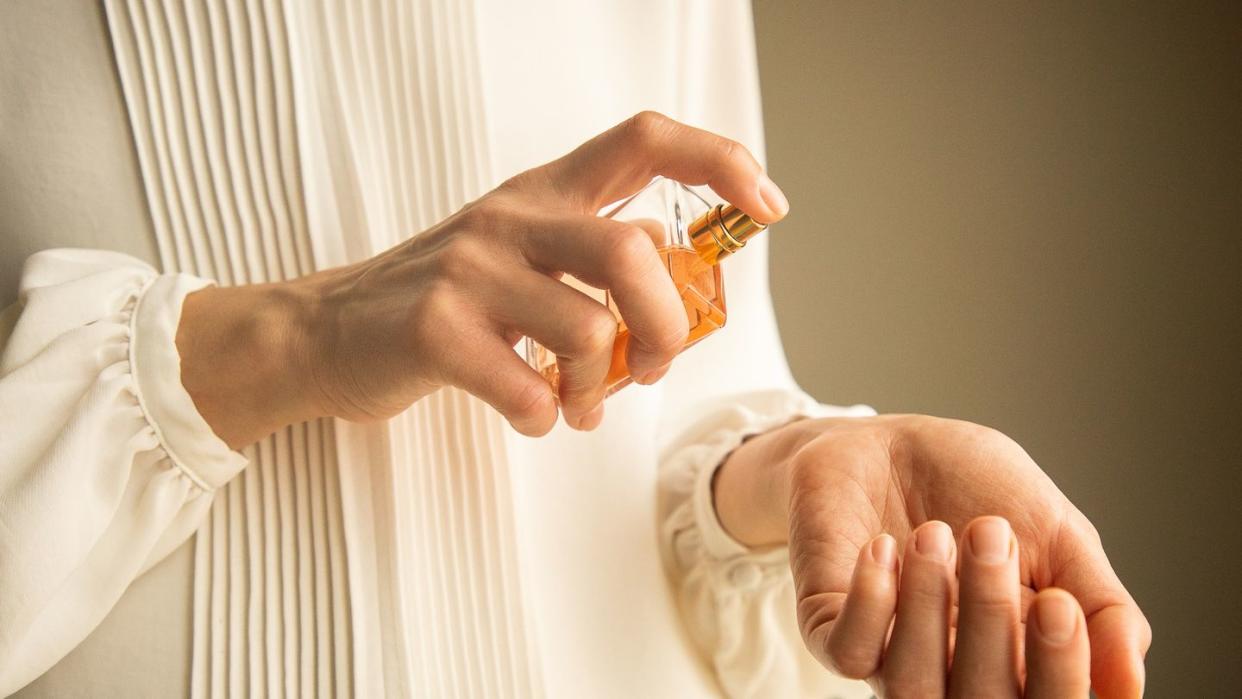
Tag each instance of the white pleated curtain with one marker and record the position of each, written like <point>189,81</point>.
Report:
<point>279,138</point>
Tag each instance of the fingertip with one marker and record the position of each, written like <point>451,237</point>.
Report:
<point>538,419</point>
<point>883,551</point>
<point>581,409</point>
<point>654,375</point>
<point>1057,617</point>
<point>989,539</point>
<point>530,430</point>
<point>933,540</point>
<point>533,429</point>
<point>773,198</point>
<point>1118,638</point>
<point>1058,655</point>
<point>589,420</point>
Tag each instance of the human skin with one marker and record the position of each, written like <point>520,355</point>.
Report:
<point>365,341</point>
<point>869,507</point>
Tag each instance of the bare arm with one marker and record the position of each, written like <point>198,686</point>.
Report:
<point>365,341</point>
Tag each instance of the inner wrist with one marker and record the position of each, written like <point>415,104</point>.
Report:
<point>750,489</point>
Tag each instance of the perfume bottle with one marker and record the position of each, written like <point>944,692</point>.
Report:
<point>691,237</point>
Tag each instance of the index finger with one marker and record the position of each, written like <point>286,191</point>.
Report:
<point>1118,631</point>
<point>618,162</point>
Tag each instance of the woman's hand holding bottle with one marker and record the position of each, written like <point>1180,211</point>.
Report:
<point>363,342</point>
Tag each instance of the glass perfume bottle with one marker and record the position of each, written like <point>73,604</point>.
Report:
<point>691,237</point>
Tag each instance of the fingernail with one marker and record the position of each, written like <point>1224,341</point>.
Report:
<point>773,196</point>
<point>934,540</point>
<point>1056,617</point>
<point>653,375</point>
<point>884,551</point>
<point>989,540</point>
<point>591,419</point>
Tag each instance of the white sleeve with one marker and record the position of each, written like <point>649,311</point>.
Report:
<point>105,464</point>
<point>738,603</point>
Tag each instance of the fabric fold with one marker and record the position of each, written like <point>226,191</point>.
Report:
<point>737,602</point>
<point>91,494</point>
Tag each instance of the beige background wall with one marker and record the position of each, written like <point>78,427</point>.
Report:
<point>1029,215</point>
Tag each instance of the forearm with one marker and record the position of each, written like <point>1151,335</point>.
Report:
<point>244,354</point>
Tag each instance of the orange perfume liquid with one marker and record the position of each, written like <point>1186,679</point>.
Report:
<point>691,237</point>
<point>702,294</point>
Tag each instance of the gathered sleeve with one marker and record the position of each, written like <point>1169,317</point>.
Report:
<point>105,464</point>
<point>737,602</point>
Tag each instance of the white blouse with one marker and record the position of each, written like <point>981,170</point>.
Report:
<point>439,554</point>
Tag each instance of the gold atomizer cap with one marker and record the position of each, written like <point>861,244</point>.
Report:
<point>722,231</point>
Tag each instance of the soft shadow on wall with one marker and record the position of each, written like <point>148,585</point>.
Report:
<point>1030,216</point>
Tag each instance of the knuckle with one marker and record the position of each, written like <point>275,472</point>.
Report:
<point>475,214</point>
<point>629,250</point>
<point>430,313</point>
<point>988,602</point>
<point>986,442</point>
<point>963,429</point>
<point>1082,527</point>
<point>987,438</point>
<point>594,333</point>
<point>727,149</point>
<point>487,212</point>
<point>647,126</point>
<point>529,402</point>
<point>518,183</point>
<point>667,342</point>
<point>927,596</point>
<point>462,258</point>
<point>1073,535</point>
<point>434,306</point>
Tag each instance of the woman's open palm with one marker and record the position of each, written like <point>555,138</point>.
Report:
<point>934,558</point>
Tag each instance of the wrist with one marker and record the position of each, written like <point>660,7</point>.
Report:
<point>245,358</point>
<point>750,488</point>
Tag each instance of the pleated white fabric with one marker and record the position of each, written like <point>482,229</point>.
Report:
<point>210,92</point>
<point>208,87</point>
<point>395,102</point>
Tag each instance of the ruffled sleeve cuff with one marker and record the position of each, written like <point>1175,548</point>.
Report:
<point>738,603</point>
<point>105,463</point>
<point>188,440</point>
